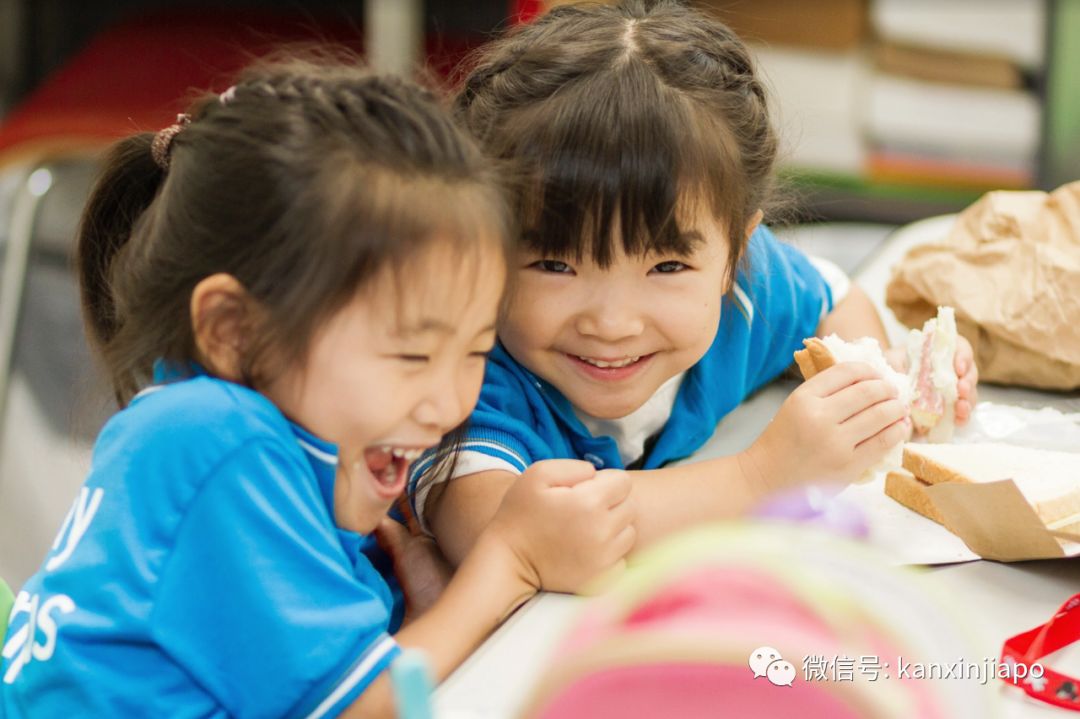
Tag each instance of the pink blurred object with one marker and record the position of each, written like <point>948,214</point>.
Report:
<point>739,620</point>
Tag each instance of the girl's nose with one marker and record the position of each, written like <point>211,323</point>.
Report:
<point>447,401</point>
<point>611,317</point>
<point>441,410</point>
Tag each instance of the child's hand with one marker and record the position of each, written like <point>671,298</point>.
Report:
<point>418,565</point>
<point>967,376</point>
<point>567,523</point>
<point>830,429</point>
<point>967,391</point>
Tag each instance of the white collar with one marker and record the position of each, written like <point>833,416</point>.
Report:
<point>632,431</point>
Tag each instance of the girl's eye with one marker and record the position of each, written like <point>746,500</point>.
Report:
<point>669,267</point>
<point>554,266</point>
<point>481,355</point>
<point>414,358</point>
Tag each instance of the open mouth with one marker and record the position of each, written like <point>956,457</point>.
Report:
<point>610,368</point>
<point>389,465</point>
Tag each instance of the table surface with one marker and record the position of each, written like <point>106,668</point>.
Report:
<point>1000,600</point>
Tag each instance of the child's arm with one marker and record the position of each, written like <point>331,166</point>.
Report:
<point>580,517</point>
<point>458,510</point>
<point>829,430</point>
<point>855,316</point>
<point>488,586</point>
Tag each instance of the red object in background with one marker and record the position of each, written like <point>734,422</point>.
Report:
<point>137,75</point>
<point>523,11</point>
<point>1031,646</point>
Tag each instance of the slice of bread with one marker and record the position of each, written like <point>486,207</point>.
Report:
<point>815,358</point>
<point>1049,480</point>
<point>909,491</point>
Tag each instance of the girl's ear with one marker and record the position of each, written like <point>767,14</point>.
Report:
<point>752,225</point>
<point>221,312</point>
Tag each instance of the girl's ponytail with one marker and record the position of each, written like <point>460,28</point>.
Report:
<point>126,186</point>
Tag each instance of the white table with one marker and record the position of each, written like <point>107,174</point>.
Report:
<point>1000,599</point>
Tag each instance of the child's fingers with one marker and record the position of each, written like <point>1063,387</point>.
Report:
<point>610,486</point>
<point>562,472</point>
<point>873,419</point>
<point>392,537</point>
<point>873,448</point>
<point>839,376</point>
<point>961,364</point>
<point>624,541</point>
<point>962,411</point>
<point>621,516</point>
<point>854,399</point>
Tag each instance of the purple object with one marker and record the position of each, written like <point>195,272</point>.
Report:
<point>817,506</point>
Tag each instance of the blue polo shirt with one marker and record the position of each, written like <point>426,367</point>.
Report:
<point>200,573</point>
<point>779,298</point>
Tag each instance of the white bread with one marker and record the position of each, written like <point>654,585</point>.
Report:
<point>1049,480</point>
<point>820,354</point>
<point>910,491</point>
<point>932,372</point>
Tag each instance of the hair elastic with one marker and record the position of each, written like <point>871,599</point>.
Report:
<point>161,147</point>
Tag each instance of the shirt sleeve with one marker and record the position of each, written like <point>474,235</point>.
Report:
<point>259,602</point>
<point>788,295</point>
<point>837,280</point>
<point>502,434</point>
<point>467,462</point>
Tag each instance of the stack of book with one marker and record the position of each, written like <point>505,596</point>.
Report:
<point>950,97</point>
<point>812,60</point>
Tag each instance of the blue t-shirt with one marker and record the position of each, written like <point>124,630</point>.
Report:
<point>778,299</point>
<point>200,573</point>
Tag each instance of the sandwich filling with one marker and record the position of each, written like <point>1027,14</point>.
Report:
<point>931,353</point>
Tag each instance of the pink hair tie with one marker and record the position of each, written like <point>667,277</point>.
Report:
<point>161,147</point>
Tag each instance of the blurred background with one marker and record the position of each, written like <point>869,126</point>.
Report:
<point>890,111</point>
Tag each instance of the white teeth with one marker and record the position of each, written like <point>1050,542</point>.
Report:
<point>402,453</point>
<point>604,365</point>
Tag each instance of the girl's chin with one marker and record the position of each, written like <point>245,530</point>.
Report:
<point>607,410</point>
<point>362,521</point>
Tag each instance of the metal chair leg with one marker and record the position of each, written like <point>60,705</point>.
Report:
<point>32,189</point>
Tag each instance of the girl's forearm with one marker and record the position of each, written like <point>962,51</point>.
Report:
<point>486,588</point>
<point>854,317</point>
<point>461,510</point>
<point>675,498</point>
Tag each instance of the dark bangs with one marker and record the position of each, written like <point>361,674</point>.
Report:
<point>365,219</point>
<point>619,154</point>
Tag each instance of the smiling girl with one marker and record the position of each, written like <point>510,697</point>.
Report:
<point>649,299</point>
<point>294,290</point>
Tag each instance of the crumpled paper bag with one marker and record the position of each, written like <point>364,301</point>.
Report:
<point>1011,268</point>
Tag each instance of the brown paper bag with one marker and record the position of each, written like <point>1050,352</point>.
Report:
<point>1011,268</point>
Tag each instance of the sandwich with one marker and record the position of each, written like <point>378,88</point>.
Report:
<point>932,371</point>
<point>821,353</point>
<point>928,389</point>
<point>1049,480</point>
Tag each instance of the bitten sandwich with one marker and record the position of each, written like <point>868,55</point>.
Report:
<point>931,359</point>
<point>822,353</point>
<point>929,387</point>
